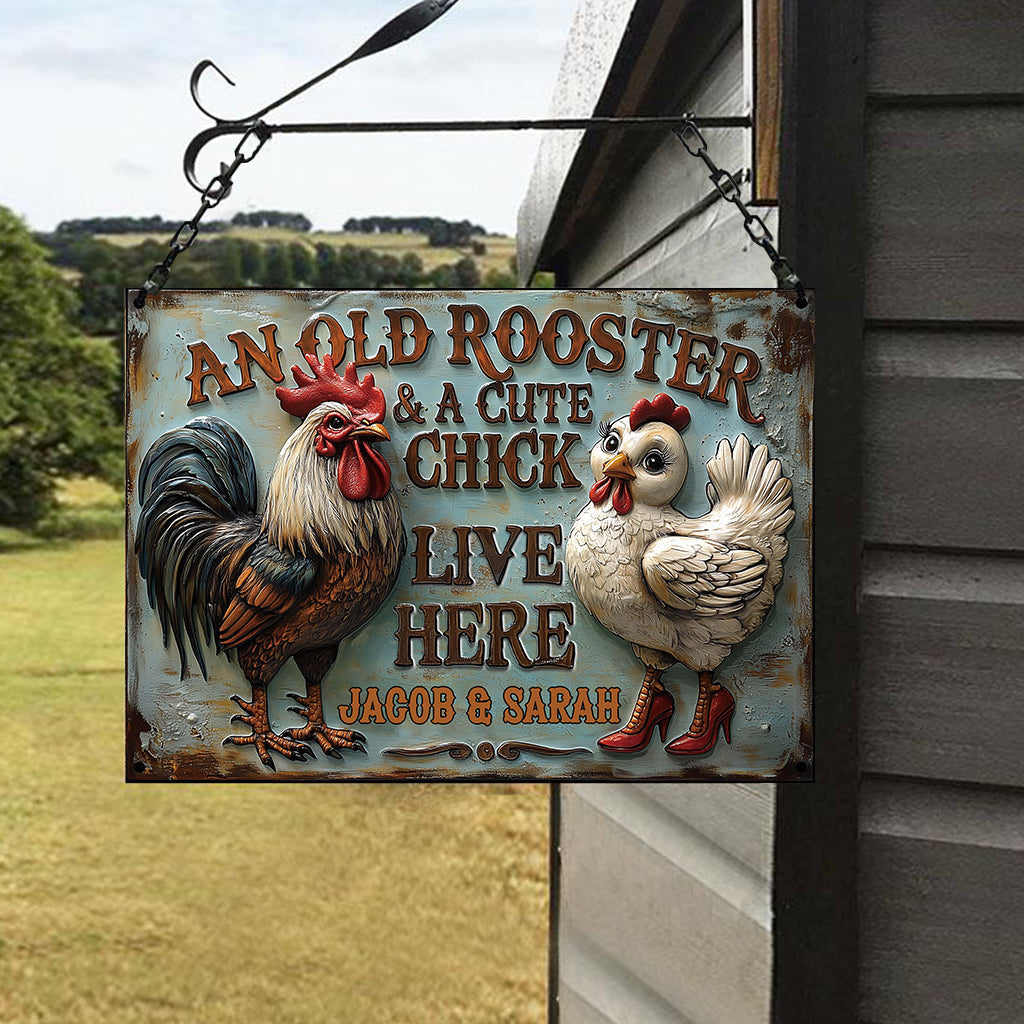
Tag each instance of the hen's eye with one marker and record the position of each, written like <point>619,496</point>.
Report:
<point>653,462</point>
<point>335,423</point>
<point>611,443</point>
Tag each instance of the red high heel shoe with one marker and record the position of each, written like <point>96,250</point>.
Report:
<point>713,709</point>
<point>653,710</point>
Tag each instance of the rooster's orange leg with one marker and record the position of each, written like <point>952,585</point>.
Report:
<point>314,665</point>
<point>263,738</point>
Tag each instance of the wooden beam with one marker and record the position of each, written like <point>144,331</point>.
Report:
<point>767,99</point>
<point>816,973</point>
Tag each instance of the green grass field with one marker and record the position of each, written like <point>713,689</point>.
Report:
<point>382,904</point>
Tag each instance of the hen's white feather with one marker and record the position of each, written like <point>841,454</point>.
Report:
<point>682,589</point>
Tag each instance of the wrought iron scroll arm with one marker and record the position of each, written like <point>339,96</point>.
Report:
<point>404,26</point>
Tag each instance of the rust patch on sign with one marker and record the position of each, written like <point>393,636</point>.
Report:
<point>772,667</point>
<point>790,341</point>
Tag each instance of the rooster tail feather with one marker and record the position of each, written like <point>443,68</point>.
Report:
<point>747,480</point>
<point>197,488</point>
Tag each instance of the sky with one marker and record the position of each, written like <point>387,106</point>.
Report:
<point>96,113</point>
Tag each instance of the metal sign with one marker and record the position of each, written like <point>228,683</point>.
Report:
<point>537,534</point>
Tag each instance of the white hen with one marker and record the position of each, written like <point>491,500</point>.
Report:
<point>678,589</point>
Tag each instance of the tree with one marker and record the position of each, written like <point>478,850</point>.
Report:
<point>225,256</point>
<point>443,277</point>
<point>101,283</point>
<point>410,272</point>
<point>58,392</point>
<point>302,265</point>
<point>279,272</point>
<point>467,274</point>
<point>326,265</point>
<point>253,264</point>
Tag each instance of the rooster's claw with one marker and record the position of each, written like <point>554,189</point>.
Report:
<point>331,741</point>
<point>267,741</point>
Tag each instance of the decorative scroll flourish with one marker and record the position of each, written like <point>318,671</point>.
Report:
<point>508,751</point>
<point>511,749</point>
<point>456,751</point>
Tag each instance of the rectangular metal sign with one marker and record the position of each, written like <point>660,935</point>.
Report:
<point>484,535</point>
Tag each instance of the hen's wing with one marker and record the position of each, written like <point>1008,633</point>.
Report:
<point>268,586</point>
<point>702,576</point>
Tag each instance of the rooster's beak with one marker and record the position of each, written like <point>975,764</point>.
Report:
<point>618,467</point>
<point>376,431</point>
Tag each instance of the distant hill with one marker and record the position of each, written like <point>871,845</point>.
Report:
<point>498,249</point>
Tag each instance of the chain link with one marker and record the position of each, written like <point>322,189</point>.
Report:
<point>728,188</point>
<point>218,189</point>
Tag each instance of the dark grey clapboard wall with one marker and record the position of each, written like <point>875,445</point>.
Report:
<point>942,600</point>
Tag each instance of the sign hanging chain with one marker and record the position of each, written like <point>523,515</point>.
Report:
<point>696,145</point>
<point>218,189</point>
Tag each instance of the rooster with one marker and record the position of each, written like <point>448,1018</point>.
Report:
<point>290,584</point>
<point>678,589</point>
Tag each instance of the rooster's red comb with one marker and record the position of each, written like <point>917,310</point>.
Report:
<point>661,410</point>
<point>363,397</point>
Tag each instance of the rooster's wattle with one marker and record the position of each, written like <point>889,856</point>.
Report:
<point>292,583</point>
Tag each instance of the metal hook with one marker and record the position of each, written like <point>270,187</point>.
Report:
<point>405,25</point>
<point>193,85</point>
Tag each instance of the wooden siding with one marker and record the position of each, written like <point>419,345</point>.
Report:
<point>943,418</point>
<point>946,48</point>
<point>668,226</point>
<point>942,595</point>
<point>659,882</point>
<point>945,213</point>
<point>942,666</point>
<point>665,912</point>
<point>943,903</point>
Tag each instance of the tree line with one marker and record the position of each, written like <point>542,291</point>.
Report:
<point>125,226</point>
<point>158,225</point>
<point>440,233</point>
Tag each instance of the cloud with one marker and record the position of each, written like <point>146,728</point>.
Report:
<point>89,62</point>
<point>125,168</point>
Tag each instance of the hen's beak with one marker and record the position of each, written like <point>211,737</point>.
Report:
<point>618,467</point>
<point>375,431</point>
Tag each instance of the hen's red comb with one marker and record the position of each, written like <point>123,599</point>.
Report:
<point>361,396</point>
<point>661,410</point>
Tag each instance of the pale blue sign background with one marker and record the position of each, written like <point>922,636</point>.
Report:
<point>176,727</point>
